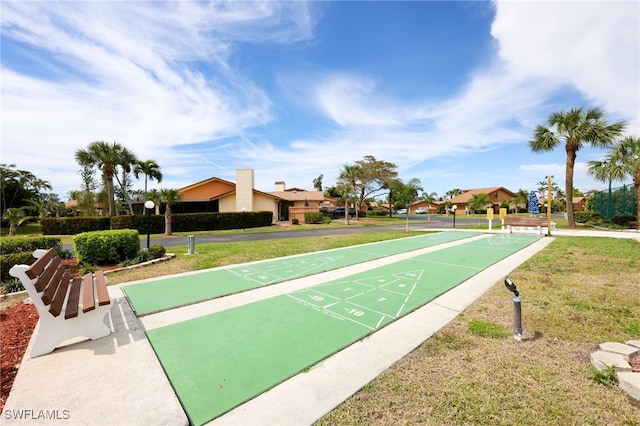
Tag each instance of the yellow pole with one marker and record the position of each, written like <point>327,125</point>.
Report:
<point>549,205</point>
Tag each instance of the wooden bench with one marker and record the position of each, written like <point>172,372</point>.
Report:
<point>69,308</point>
<point>526,222</point>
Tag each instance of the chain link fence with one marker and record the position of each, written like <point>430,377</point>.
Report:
<point>618,201</point>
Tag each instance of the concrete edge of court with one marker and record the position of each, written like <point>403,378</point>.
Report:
<point>306,397</point>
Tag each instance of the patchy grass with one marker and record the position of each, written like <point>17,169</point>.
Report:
<point>576,294</point>
<point>220,254</point>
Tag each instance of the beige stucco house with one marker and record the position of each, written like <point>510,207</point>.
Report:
<point>219,195</point>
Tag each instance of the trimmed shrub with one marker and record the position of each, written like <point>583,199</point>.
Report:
<point>623,220</point>
<point>8,260</point>
<point>106,247</point>
<point>295,221</point>
<point>313,217</point>
<point>156,251</point>
<point>29,245</point>
<point>584,217</point>
<point>19,251</point>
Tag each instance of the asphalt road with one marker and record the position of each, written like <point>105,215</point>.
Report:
<point>414,223</point>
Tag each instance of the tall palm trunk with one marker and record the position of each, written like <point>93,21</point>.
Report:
<point>167,220</point>
<point>571,161</point>
<point>112,195</point>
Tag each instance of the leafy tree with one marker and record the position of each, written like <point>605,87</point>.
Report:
<point>317,182</point>
<point>150,169</point>
<point>373,177</point>
<point>107,157</point>
<point>522,196</point>
<point>86,197</point>
<point>576,128</point>
<point>169,197</point>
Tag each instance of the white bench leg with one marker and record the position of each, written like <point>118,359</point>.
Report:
<point>52,331</point>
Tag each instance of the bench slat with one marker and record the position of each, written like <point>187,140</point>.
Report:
<point>52,288</point>
<point>71,310</point>
<point>38,266</point>
<point>88,298</point>
<point>45,277</point>
<point>61,295</point>
<point>101,288</point>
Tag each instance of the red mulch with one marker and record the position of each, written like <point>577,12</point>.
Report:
<point>17,324</point>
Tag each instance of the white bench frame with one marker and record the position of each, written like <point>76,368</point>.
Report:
<point>52,331</point>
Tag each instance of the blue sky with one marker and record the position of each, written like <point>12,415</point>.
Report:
<point>448,91</point>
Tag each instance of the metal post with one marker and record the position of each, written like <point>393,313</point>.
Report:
<point>549,205</point>
<point>517,308</point>
<point>148,227</point>
<point>191,244</point>
<point>517,318</point>
<point>454,208</point>
<point>149,205</point>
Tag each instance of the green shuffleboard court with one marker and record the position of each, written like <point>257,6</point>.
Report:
<point>180,290</point>
<point>217,362</point>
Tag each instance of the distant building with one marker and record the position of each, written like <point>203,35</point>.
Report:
<point>219,195</point>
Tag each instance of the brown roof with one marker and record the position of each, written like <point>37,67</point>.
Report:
<point>205,181</point>
<point>299,195</point>
<point>469,193</point>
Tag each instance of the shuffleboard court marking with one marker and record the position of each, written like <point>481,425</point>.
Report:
<point>218,361</point>
<point>160,294</point>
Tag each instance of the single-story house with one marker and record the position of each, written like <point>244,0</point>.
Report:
<point>497,195</point>
<point>431,208</point>
<point>219,195</point>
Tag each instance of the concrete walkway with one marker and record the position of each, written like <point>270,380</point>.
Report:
<point>118,380</point>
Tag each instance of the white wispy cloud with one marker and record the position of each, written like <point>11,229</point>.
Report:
<point>164,79</point>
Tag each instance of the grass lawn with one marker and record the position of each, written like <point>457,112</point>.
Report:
<point>576,293</point>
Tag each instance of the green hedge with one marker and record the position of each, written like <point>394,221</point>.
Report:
<point>19,251</point>
<point>188,222</point>
<point>623,220</point>
<point>106,247</point>
<point>584,217</point>
<point>73,225</point>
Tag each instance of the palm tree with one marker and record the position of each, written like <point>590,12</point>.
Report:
<point>577,128</point>
<point>150,169</point>
<point>622,161</point>
<point>154,195</point>
<point>478,201</point>
<point>16,217</point>
<point>106,156</point>
<point>522,196</point>
<point>169,196</point>
<point>349,176</point>
<point>429,198</point>
<point>607,170</point>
